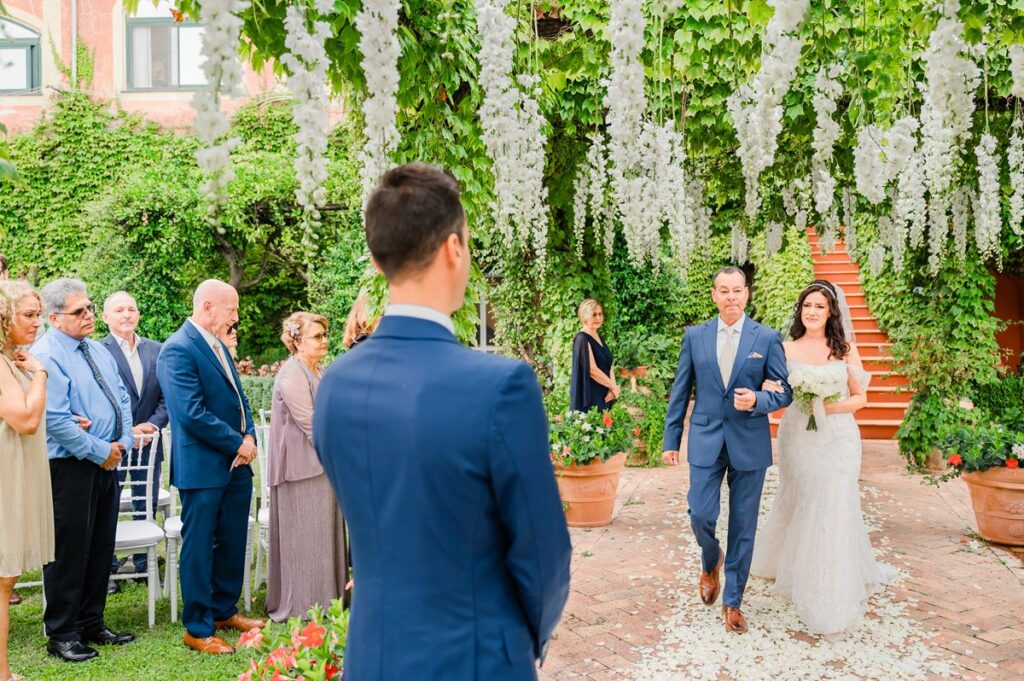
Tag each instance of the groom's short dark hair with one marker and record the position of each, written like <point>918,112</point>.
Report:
<point>728,269</point>
<point>412,211</point>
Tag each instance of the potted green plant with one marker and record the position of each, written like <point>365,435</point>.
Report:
<point>647,407</point>
<point>987,455</point>
<point>588,451</point>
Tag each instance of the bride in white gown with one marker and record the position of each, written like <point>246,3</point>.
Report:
<point>814,543</point>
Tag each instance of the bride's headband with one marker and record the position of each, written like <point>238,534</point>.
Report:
<point>824,287</point>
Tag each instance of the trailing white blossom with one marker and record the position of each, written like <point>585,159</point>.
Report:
<point>961,204</point>
<point>895,237</point>
<point>740,244</point>
<point>698,221</point>
<point>756,107</point>
<point>772,238</point>
<point>827,90</point>
<point>377,23</point>
<point>676,211</point>
<point>849,227</point>
<point>880,156</point>
<point>911,205</point>
<point>988,219</point>
<point>307,63</point>
<point>829,231</point>
<point>223,70</point>
<point>513,132</point>
<point>590,196</point>
<point>1015,159</point>
<point>1017,70</point>
<point>945,119</point>
<point>876,258</point>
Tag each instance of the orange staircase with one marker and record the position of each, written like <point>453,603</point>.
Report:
<point>888,398</point>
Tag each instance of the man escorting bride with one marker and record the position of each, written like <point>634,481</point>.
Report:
<point>813,543</point>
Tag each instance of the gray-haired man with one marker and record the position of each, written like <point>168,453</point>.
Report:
<point>82,380</point>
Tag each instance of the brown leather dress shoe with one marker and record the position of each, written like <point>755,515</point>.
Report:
<point>710,582</point>
<point>211,645</point>
<point>240,622</point>
<point>735,622</point>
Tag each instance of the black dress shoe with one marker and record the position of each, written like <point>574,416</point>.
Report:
<point>105,637</point>
<point>113,587</point>
<point>70,651</point>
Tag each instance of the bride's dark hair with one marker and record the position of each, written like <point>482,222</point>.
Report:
<point>834,334</point>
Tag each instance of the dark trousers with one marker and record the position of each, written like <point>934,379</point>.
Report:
<point>744,502</point>
<point>85,503</point>
<point>215,527</point>
<point>138,479</point>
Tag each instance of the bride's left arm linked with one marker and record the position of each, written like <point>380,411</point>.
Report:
<point>858,395</point>
<point>779,394</point>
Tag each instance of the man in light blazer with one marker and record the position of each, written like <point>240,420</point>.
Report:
<point>213,440</point>
<point>439,456</point>
<point>728,358</point>
<point>136,363</point>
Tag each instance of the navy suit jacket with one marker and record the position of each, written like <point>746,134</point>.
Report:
<point>715,421</point>
<point>149,407</point>
<point>205,415</point>
<point>439,456</point>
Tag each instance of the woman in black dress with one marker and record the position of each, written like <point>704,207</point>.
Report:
<point>593,383</point>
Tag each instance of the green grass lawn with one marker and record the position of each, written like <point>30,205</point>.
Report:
<point>157,653</point>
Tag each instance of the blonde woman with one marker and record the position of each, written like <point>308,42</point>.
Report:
<point>593,384</point>
<point>307,564</point>
<point>359,326</point>
<point>26,504</point>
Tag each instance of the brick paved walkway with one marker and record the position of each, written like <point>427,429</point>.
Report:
<point>633,611</point>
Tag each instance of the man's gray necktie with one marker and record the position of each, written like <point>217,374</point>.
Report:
<point>84,347</point>
<point>728,356</point>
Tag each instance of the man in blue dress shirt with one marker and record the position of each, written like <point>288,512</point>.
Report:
<point>439,456</point>
<point>82,382</point>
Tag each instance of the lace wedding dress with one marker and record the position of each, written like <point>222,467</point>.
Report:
<point>814,543</point>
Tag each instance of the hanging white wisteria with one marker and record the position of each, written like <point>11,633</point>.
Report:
<point>590,196</point>
<point>377,23</point>
<point>1017,71</point>
<point>911,206</point>
<point>740,244</point>
<point>988,219</point>
<point>513,133</point>
<point>756,107</point>
<point>880,156</point>
<point>698,221</point>
<point>946,115</point>
<point>223,70</point>
<point>772,238</point>
<point>961,204</point>
<point>1015,159</point>
<point>676,211</point>
<point>876,258</point>
<point>633,143</point>
<point>827,90</point>
<point>849,227</point>
<point>796,202</point>
<point>307,63</point>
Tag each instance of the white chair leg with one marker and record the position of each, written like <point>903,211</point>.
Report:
<point>259,557</point>
<point>154,585</point>
<point>247,577</point>
<point>172,576</point>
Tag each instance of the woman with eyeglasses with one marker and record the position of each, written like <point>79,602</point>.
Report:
<point>26,503</point>
<point>307,563</point>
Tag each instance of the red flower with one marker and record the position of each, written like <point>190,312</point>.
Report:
<point>245,676</point>
<point>607,420</point>
<point>566,451</point>
<point>331,671</point>
<point>278,676</point>
<point>636,431</point>
<point>251,638</point>
<point>954,460</point>
<point>1012,463</point>
<point>312,636</point>
<point>282,656</point>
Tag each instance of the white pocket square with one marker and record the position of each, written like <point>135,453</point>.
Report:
<point>755,355</point>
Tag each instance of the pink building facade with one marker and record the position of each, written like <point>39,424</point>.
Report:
<point>146,62</point>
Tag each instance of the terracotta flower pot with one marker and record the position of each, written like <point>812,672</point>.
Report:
<point>640,371</point>
<point>998,499</point>
<point>625,373</point>
<point>935,462</point>
<point>638,456</point>
<point>588,492</point>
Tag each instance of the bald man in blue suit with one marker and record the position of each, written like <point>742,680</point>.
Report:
<point>439,456</point>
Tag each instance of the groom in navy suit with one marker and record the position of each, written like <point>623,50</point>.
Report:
<point>728,358</point>
<point>439,457</point>
<point>213,440</point>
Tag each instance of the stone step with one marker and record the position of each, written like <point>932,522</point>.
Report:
<point>873,337</point>
<point>886,411</point>
<point>875,351</point>
<point>834,256</point>
<point>870,429</point>
<point>877,364</point>
<point>885,379</point>
<point>886,393</point>
<point>865,325</point>
<point>822,270</point>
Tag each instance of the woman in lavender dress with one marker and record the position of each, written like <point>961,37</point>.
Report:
<point>307,563</point>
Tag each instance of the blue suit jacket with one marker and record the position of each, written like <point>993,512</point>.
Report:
<point>715,422</point>
<point>439,457</point>
<point>149,407</point>
<point>204,410</point>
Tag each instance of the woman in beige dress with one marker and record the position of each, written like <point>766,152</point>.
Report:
<point>307,563</point>
<point>26,504</point>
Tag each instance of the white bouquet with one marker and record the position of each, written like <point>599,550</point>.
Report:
<point>813,386</point>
